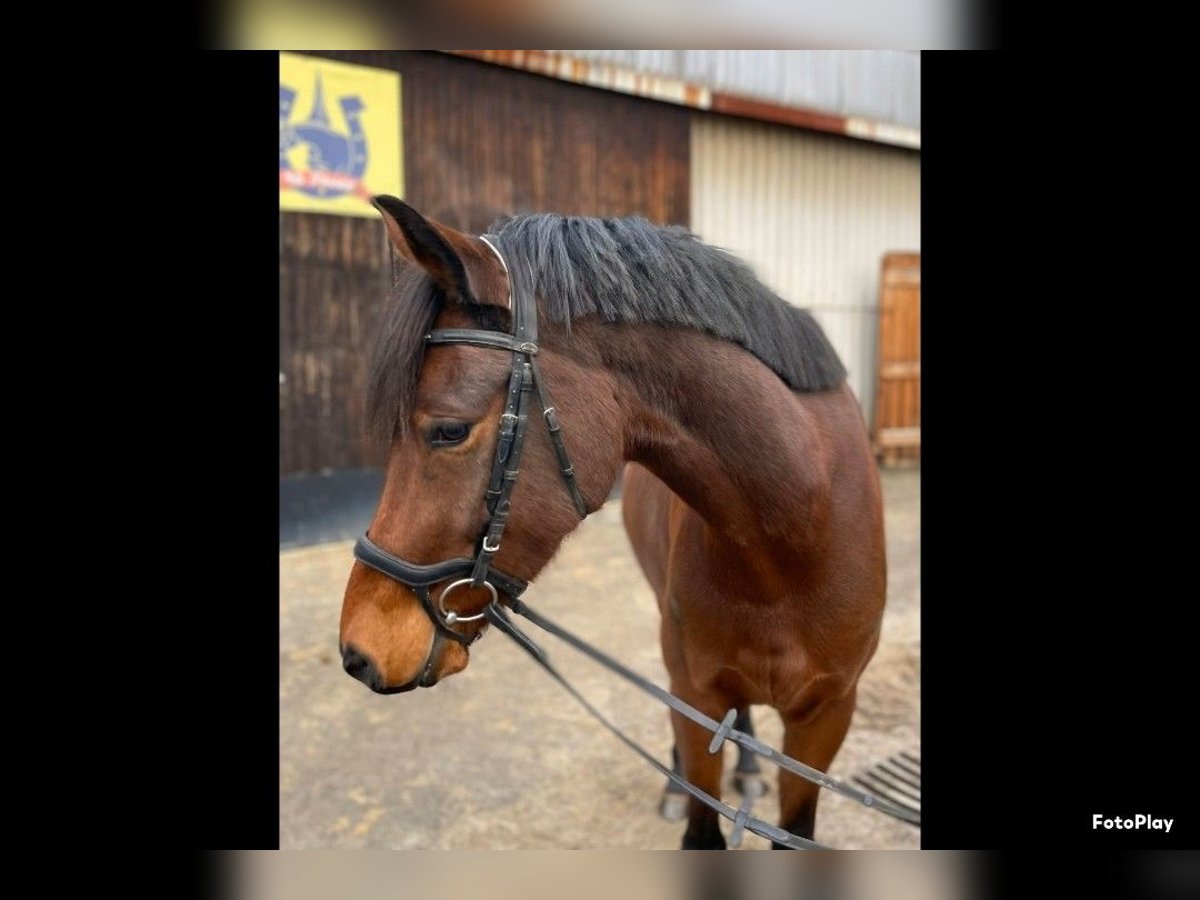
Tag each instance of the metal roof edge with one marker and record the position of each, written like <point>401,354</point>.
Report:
<point>683,93</point>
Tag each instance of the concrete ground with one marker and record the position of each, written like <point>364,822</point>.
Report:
<point>500,757</point>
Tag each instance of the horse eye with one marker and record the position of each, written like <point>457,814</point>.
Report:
<point>450,433</point>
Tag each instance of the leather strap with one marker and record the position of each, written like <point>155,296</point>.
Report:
<point>506,466</point>
<point>478,338</point>
<point>514,422</point>
<point>414,575</point>
<point>550,414</point>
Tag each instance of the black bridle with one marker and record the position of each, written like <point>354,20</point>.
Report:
<point>514,423</point>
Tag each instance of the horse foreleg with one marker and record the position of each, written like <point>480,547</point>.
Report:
<point>703,769</point>
<point>673,805</point>
<point>746,778</point>
<point>813,738</point>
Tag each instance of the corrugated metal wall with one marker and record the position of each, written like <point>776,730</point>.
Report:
<point>813,214</point>
<point>874,84</point>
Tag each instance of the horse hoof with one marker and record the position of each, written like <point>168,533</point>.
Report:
<point>673,807</point>
<point>750,785</point>
<point>704,842</point>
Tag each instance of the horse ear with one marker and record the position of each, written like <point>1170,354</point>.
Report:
<point>459,264</point>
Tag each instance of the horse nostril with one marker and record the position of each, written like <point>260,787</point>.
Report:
<point>358,666</point>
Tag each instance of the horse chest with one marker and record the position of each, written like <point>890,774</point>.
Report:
<point>734,644</point>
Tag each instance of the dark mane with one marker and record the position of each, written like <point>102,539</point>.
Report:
<point>621,270</point>
<point>629,270</point>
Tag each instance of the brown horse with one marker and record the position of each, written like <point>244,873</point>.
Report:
<point>752,501</point>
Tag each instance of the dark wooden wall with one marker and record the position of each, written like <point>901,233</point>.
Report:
<point>480,141</point>
<point>334,272</point>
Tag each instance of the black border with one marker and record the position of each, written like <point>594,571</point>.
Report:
<point>1055,677</point>
<point>1055,672</point>
<point>228,789</point>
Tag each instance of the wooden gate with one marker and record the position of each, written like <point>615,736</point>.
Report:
<point>898,393</point>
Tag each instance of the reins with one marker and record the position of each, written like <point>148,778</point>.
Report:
<point>721,731</point>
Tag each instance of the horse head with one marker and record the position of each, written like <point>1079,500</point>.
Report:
<point>441,406</point>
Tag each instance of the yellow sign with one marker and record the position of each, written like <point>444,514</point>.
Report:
<point>339,136</point>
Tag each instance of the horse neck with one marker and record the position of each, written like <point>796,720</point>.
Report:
<point>723,432</point>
